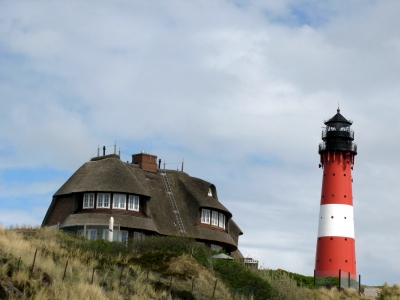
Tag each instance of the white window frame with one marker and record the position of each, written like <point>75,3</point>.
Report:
<point>88,200</point>
<point>214,218</point>
<point>209,192</point>
<point>133,203</point>
<point>222,221</point>
<point>106,232</point>
<point>101,200</point>
<point>119,201</point>
<point>124,236</point>
<point>91,234</point>
<point>205,216</point>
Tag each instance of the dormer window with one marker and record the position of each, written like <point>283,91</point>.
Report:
<point>221,221</point>
<point>103,200</point>
<point>133,203</point>
<point>213,218</point>
<point>209,192</point>
<point>119,201</point>
<point>205,216</point>
<point>88,200</point>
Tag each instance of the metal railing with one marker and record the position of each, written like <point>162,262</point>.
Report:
<point>338,133</point>
<point>337,146</point>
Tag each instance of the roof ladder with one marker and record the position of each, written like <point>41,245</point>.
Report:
<point>172,201</point>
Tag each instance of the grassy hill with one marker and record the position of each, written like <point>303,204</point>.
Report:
<point>44,264</point>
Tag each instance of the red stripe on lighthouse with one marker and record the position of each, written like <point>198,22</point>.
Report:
<point>335,253</point>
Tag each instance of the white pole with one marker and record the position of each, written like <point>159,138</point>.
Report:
<point>111,229</point>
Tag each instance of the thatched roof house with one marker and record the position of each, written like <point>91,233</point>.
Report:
<point>143,200</point>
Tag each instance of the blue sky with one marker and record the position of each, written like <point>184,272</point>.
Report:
<point>237,89</point>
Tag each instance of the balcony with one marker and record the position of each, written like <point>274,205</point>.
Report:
<point>352,147</point>
<point>338,133</point>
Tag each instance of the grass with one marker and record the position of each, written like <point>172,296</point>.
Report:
<point>155,268</point>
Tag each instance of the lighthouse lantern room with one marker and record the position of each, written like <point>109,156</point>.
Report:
<point>336,242</point>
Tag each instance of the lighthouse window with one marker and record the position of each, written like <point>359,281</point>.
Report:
<point>119,201</point>
<point>331,217</point>
<point>333,174</point>
<point>345,196</point>
<point>103,200</point>
<point>345,218</point>
<point>88,200</point>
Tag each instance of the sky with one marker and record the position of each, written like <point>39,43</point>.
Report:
<point>238,90</point>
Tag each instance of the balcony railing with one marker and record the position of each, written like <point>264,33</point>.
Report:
<point>338,133</point>
<point>337,146</point>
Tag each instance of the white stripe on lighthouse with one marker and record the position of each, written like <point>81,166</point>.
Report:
<point>336,220</point>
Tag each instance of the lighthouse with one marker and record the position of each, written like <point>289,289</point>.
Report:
<point>336,242</point>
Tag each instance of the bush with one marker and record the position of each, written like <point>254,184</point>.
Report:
<point>242,279</point>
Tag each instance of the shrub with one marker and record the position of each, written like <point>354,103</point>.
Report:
<point>242,279</point>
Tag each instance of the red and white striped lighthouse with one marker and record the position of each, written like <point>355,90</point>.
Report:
<point>336,242</point>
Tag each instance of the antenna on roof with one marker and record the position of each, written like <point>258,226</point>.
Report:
<point>338,109</point>
<point>151,146</point>
<point>115,147</point>
<point>98,150</point>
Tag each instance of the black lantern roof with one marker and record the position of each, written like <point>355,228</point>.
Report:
<point>338,118</point>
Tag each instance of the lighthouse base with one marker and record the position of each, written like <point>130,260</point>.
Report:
<point>335,253</point>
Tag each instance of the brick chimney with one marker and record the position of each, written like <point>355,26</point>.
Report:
<point>147,162</point>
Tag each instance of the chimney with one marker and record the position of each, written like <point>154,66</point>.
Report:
<point>147,162</point>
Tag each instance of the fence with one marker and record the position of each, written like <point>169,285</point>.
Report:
<point>46,266</point>
<point>339,279</point>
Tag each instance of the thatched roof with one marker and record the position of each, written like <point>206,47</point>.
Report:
<point>110,174</point>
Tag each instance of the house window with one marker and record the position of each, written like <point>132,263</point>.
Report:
<point>138,236</point>
<point>91,234</point>
<point>205,216</point>
<point>106,233</point>
<point>103,200</point>
<point>119,201</point>
<point>124,236</point>
<point>222,221</point>
<point>88,200</point>
<point>209,192</point>
<point>133,203</point>
<point>214,218</point>
<point>216,247</point>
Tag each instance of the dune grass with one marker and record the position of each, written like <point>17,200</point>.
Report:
<point>71,267</point>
